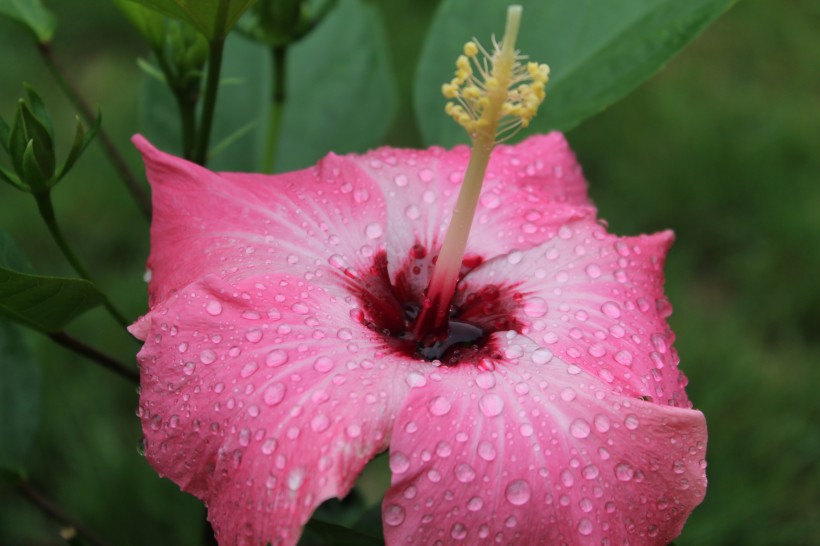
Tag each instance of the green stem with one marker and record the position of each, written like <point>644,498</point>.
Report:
<point>138,192</point>
<point>279,56</point>
<point>217,46</point>
<point>187,112</point>
<point>50,508</point>
<point>107,362</point>
<point>186,96</point>
<point>47,212</point>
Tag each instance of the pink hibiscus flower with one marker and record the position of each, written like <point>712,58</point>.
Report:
<point>279,357</point>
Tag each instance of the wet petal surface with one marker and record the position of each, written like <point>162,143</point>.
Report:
<point>274,365</point>
<point>538,451</point>
<point>597,301</point>
<point>248,397</point>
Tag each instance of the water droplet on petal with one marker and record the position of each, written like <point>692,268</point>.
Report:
<point>568,395</point>
<point>373,230</point>
<point>490,200</point>
<point>434,475</point>
<point>491,405</point>
<point>248,369</point>
<point>601,423</point>
<point>207,356</point>
<point>585,527</point>
<point>323,364</point>
<point>274,394</point>
<point>579,428</point>
<point>518,492</point>
<point>465,473</point>
<point>535,307</point>
<point>399,463</point>
<point>624,472</point>
<point>611,309</point>
<point>276,358</point>
<point>439,406</point>
<point>487,451</point>
<point>541,356</point>
<point>413,212</point>
<point>485,380</point>
<point>353,431</point>
<point>458,531</point>
<point>394,515</point>
<point>295,479</point>
<point>623,357</point>
<point>593,271</point>
<point>590,472</point>
<point>320,423</point>
<point>631,421</point>
<point>475,504</point>
<point>269,446</point>
<point>213,308</point>
<point>415,380</point>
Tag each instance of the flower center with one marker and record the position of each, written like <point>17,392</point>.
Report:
<point>393,310</point>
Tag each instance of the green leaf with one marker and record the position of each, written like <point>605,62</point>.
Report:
<point>11,178</point>
<point>38,108</point>
<point>40,142</point>
<point>18,141</point>
<point>46,304</point>
<point>151,70</point>
<point>340,96</point>
<point>82,139</point>
<point>597,51</point>
<point>33,174</point>
<point>32,15</point>
<point>20,399</point>
<point>213,18</point>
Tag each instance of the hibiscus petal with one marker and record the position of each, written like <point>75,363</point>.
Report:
<point>238,225</point>
<point>538,182</point>
<point>596,300</point>
<point>257,399</point>
<point>538,451</point>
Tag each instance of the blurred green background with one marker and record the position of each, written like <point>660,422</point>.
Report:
<point>723,146</point>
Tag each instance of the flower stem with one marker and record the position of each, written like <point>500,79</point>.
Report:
<point>436,308</point>
<point>50,508</point>
<point>138,192</point>
<point>217,47</point>
<point>47,212</point>
<point>107,362</point>
<point>279,56</point>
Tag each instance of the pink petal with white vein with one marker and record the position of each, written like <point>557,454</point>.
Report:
<point>539,452</point>
<point>530,189</point>
<point>241,225</point>
<point>596,300</point>
<point>247,405</point>
<point>275,367</point>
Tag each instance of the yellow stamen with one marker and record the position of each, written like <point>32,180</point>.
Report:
<point>499,89</point>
